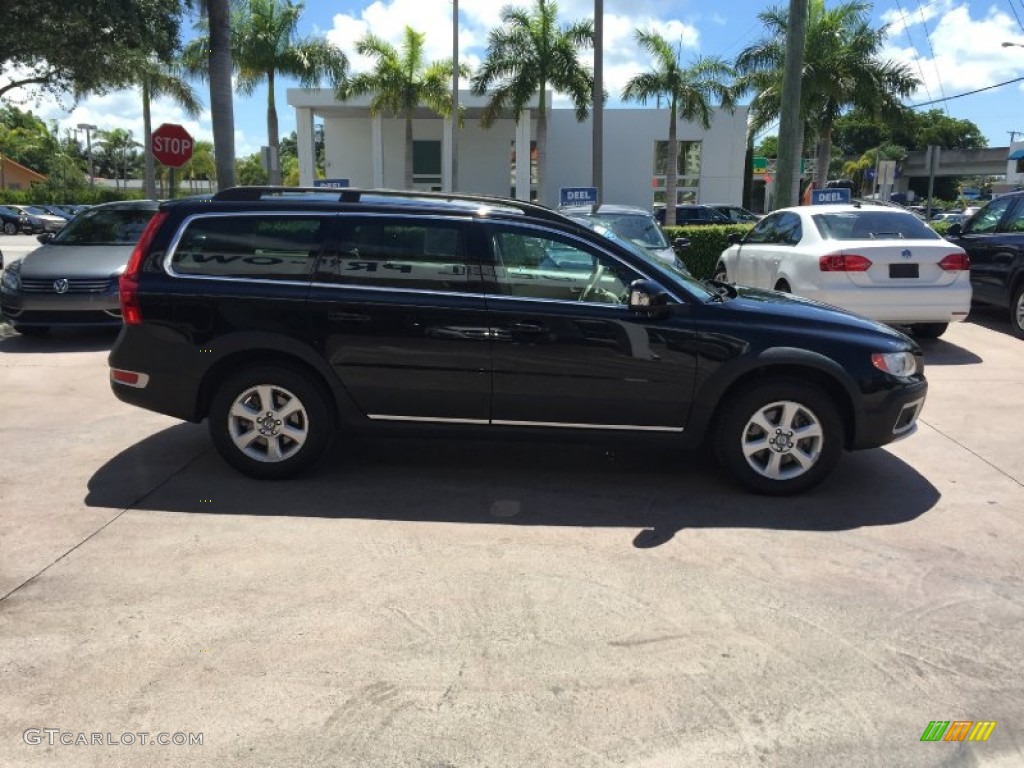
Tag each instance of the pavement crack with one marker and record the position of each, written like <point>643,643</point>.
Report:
<point>974,453</point>
<point>116,517</point>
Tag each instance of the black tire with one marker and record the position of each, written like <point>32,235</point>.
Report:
<point>809,405</point>
<point>783,287</point>
<point>278,385</point>
<point>1017,312</point>
<point>929,330</point>
<point>32,330</point>
<point>10,228</point>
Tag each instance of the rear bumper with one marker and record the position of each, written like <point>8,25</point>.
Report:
<point>168,383</point>
<point>901,306</point>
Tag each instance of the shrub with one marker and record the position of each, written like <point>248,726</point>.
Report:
<point>706,245</point>
<point>940,226</point>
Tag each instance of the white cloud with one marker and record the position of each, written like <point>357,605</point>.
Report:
<point>967,51</point>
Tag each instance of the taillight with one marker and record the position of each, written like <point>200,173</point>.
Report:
<point>842,262</point>
<point>131,310</point>
<point>955,262</point>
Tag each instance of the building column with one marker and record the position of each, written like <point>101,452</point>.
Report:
<point>377,150</point>
<point>523,156</point>
<point>446,156</point>
<point>307,150</point>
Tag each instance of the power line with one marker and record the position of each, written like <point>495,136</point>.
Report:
<point>917,54</point>
<point>968,93</point>
<point>931,52</point>
<point>1015,14</point>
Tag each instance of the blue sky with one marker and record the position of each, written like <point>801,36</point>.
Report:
<point>952,45</point>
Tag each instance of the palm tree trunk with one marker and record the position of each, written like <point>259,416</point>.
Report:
<point>671,168</point>
<point>408,150</point>
<point>542,149</point>
<point>222,112</point>
<point>273,139</point>
<point>823,156</point>
<point>147,139</point>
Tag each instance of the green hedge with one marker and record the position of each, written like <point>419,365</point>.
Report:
<point>40,193</point>
<point>940,226</point>
<point>706,245</point>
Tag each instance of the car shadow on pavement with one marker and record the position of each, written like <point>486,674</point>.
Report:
<point>942,352</point>
<point>994,318</point>
<point>659,490</point>
<point>57,340</point>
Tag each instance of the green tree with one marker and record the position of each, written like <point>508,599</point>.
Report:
<point>691,92</point>
<point>215,64</point>
<point>265,44</point>
<point>858,131</point>
<point>83,47</point>
<point>118,154</point>
<point>250,170</point>
<point>528,53</point>
<point>201,167</point>
<point>400,81</point>
<point>26,139</point>
<point>159,80</point>
<point>769,147</point>
<point>842,69</point>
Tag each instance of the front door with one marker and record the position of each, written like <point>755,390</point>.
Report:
<point>567,351</point>
<point>993,238</point>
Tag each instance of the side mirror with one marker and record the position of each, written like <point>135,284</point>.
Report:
<point>649,299</point>
<point>734,238</point>
<point>45,237</point>
<point>955,230</point>
<point>681,243</point>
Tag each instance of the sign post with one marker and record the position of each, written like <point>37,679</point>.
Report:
<point>172,147</point>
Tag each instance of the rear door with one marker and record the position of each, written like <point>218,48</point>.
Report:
<point>755,247</point>
<point>400,316</point>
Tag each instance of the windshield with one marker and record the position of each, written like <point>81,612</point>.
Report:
<point>635,227</point>
<point>105,226</point>
<point>35,210</point>
<point>873,225</point>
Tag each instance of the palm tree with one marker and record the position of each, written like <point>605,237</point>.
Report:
<point>401,81</point>
<point>526,55</point>
<point>214,63</point>
<point>691,93</point>
<point>842,69</point>
<point>120,150</point>
<point>264,45</point>
<point>158,80</point>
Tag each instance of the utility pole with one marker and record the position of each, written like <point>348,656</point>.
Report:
<point>1013,135</point>
<point>88,142</point>
<point>787,171</point>
<point>455,97</point>
<point>932,161</point>
<point>597,161</point>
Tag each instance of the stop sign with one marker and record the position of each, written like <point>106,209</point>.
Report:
<point>172,145</point>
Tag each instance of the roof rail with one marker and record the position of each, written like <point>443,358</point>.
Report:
<point>353,195</point>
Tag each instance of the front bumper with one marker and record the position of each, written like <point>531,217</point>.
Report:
<point>890,416</point>
<point>69,309</point>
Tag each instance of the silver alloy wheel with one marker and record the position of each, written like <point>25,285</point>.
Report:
<point>268,423</point>
<point>1019,310</point>
<point>783,440</point>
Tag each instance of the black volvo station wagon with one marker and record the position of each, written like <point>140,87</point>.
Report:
<point>284,315</point>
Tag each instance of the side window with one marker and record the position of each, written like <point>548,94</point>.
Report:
<point>987,219</point>
<point>763,231</point>
<point>1016,221</point>
<point>537,266</point>
<point>401,253</point>
<point>266,247</point>
<point>789,231</point>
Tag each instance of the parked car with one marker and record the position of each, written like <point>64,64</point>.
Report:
<point>72,279</point>
<point>693,215</point>
<point>280,315</point>
<point>634,225</point>
<point>950,217</point>
<point>48,222</point>
<point>881,262</point>
<point>737,214</point>
<point>15,221</point>
<point>994,240</point>
<point>54,210</point>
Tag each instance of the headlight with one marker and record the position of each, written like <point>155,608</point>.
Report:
<point>11,279</point>
<point>896,363</point>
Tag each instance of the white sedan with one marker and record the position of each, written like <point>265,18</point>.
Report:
<point>880,262</point>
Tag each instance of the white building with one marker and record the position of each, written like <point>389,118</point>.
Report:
<point>370,152</point>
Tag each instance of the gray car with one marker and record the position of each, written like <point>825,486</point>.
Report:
<point>72,280</point>
<point>634,225</point>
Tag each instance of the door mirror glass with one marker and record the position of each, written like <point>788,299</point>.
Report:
<point>955,230</point>
<point>45,238</point>
<point>681,243</point>
<point>734,238</point>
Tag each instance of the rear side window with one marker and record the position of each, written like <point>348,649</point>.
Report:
<point>106,226</point>
<point>401,253</point>
<point>873,225</point>
<point>265,247</point>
